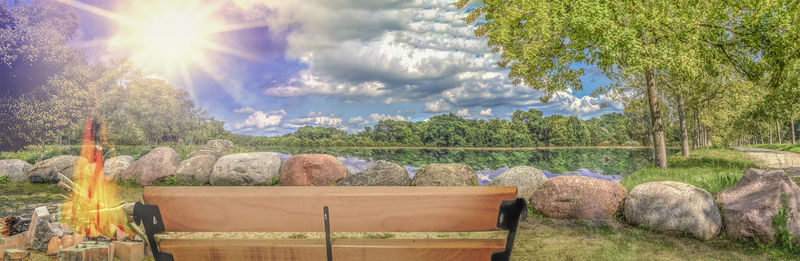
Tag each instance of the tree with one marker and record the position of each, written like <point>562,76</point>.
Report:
<point>34,48</point>
<point>541,41</point>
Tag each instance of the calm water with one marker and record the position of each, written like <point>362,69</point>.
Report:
<point>609,164</point>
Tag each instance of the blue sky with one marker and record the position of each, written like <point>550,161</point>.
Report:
<point>344,64</point>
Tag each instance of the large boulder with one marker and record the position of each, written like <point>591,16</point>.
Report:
<point>526,179</point>
<point>217,148</point>
<point>381,173</point>
<point>196,170</point>
<point>748,207</point>
<point>674,208</point>
<point>157,164</point>
<point>312,170</point>
<point>47,170</point>
<point>15,169</point>
<point>246,169</point>
<point>453,174</point>
<point>113,167</point>
<point>577,197</point>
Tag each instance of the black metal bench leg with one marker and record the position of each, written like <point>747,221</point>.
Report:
<point>508,219</point>
<point>150,218</point>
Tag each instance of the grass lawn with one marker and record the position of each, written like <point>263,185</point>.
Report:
<point>542,238</point>
<point>711,169</point>
<point>783,147</point>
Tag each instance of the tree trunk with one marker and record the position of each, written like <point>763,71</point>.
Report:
<point>684,130</point>
<point>778,130</point>
<point>770,133</point>
<point>761,134</point>
<point>659,145</point>
<point>696,140</point>
<point>794,138</point>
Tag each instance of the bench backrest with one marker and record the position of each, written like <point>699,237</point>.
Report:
<point>352,209</point>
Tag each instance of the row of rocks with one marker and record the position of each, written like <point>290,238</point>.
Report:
<point>745,210</point>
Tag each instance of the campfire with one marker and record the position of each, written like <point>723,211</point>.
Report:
<point>93,208</point>
<point>91,223</point>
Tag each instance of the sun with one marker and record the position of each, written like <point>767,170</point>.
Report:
<point>174,37</point>
<point>170,37</point>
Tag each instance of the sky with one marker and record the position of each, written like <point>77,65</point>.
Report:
<point>346,64</point>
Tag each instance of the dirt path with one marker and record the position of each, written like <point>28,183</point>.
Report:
<point>774,159</point>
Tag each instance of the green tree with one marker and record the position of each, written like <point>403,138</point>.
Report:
<point>541,41</point>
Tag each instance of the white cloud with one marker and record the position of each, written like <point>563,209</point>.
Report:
<point>317,119</point>
<point>247,110</point>
<point>389,51</point>
<point>374,118</point>
<point>486,112</point>
<point>437,106</point>
<point>584,106</point>
<point>463,112</point>
<point>357,121</point>
<point>262,120</point>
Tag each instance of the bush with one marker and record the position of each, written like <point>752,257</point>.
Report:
<point>4,179</point>
<point>631,143</point>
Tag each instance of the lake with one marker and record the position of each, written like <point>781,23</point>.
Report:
<point>604,163</point>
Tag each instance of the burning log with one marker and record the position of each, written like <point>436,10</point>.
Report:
<point>10,226</point>
<point>66,183</point>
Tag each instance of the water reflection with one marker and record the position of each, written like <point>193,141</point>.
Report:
<point>603,163</point>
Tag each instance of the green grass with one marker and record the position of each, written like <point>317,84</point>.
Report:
<point>782,147</point>
<point>711,169</point>
<point>32,153</point>
<point>548,239</point>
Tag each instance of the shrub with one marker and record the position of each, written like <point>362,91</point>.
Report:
<point>631,143</point>
<point>4,179</point>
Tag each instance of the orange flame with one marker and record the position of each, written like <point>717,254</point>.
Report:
<point>93,206</point>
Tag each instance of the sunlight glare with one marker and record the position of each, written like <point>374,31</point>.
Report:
<point>170,37</point>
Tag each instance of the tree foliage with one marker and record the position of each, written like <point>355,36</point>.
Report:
<point>524,129</point>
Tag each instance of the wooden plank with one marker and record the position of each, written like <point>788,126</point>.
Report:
<point>343,249</point>
<point>352,209</point>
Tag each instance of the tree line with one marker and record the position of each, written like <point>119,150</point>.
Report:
<point>524,129</point>
<point>49,88</point>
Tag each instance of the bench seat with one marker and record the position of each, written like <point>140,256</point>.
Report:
<point>343,249</point>
<point>350,209</point>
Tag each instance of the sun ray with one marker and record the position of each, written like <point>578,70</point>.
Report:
<point>187,78</point>
<point>238,27</point>
<point>104,13</point>
<point>227,50</point>
<point>171,38</point>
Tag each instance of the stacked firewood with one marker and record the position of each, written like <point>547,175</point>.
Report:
<point>12,225</point>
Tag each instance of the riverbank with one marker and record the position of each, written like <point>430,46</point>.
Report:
<point>543,238</point>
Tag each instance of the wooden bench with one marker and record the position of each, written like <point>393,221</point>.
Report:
<point>325,209</point>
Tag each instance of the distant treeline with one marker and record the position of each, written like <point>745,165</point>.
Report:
<point>524,129</point>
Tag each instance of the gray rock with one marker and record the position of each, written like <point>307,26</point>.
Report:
<point>217,148</point>
<point>196,170</point>
<point>113,167</point>
<point>43,233</point>
<point>748,207</point>
<point>674,208</point>
<point>15,169</point>
<point>381,173</point>
<point>157,164</point>
<point>526,179</point>
<point>256,168</point>
<point>47,170</point>
<point>453,174</point>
